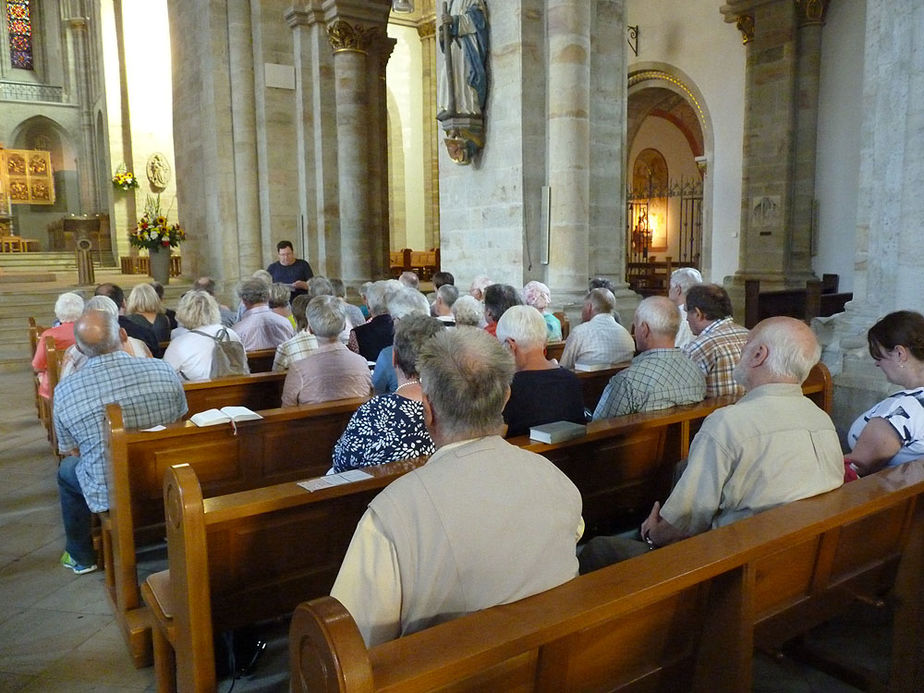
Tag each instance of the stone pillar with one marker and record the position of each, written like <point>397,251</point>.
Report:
<point>426,30</point>
<point>376,134</point>
<point>90,202</point>
<point>889,261</point>
<point>569,144</point>
<point>350,44</point>
<point>316,124</point>
<point>244,135</point>
<point>782,39</point>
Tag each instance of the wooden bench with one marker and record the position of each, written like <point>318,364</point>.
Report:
<point>256,391</point>
<point>684,617</point>
<point>245,557</point>
<point>286,445</point>
<point>804,304</point>
<point>261,360</point>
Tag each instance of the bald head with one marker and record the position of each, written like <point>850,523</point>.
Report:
<point>97,333</point>
<point>778,350</point>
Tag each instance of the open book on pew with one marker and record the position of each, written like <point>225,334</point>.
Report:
<point>557,431</point>
<point>232,415</point>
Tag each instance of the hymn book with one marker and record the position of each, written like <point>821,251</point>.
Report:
<point>213,417</point>
<point>557,431</point>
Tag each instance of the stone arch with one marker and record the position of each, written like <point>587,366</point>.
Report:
<point>666,91</point>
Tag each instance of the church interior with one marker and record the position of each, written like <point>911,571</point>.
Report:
<point>777,142</point>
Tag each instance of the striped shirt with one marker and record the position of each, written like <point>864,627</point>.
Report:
<point>717,350</point>
<point>149,392</point>
<point>657,379</point>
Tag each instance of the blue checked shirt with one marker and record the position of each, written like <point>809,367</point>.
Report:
<point>149,392</point>
<point>657,379</point>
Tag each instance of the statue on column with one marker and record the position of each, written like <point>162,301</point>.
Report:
<point>463,86</point>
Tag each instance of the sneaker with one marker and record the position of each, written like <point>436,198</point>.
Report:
<point>78,569</point>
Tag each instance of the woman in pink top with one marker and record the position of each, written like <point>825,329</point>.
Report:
<point>68,308</point>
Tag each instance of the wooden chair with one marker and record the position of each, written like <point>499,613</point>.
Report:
<point>683,617</point>
<point>286,445</point>
<point>242,558</point>
<point>261,360</point>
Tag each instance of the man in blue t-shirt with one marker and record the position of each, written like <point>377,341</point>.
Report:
<point>288,270</point>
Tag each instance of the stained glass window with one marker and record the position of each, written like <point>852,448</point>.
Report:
<point>19,28</point>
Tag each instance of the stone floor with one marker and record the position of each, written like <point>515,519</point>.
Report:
<point>57,632</point>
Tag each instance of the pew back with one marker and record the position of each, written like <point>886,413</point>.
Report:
<point>684,616</point>
<point>256,391</point>
<point>261,360</point>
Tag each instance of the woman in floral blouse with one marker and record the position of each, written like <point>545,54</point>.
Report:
<point>391,427</point>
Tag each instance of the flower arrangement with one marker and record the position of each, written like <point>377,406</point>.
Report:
<point>124,180</point>
<point>153,232</point>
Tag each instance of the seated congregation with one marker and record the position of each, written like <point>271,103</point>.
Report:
<point>455,382</point>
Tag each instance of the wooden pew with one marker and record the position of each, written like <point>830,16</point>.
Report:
<point>245,557</point>
<point>35,331</point>
<point>261,360</point>
<point>593,383</point>
<point>286,445</point>
<point>256,391</point>
<point>683,617</point>
<point>804,304</point>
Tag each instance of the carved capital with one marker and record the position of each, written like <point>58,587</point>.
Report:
<point>427,30</point>
<point>812,11</point>
<point>344,36</point>
<point>745,24</point>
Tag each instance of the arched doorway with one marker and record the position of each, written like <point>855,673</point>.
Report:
<point>668,141</point>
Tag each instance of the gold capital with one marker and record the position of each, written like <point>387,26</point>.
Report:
<point>812,11</point>
<point>745,24</point>
<point>344,36</point>
<point>426,30</point>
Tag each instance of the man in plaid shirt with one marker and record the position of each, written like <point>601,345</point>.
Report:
<point>718,341</point>
<point>150,394</point>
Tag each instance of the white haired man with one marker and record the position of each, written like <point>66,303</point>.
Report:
<point>599,340</point>
<point>541,391</point>
<point>660,376</point>
<point>482,523</point>
<point>681,281</point>
<point>68,308</point>
<point>259,327</point>
<point>771,447</point>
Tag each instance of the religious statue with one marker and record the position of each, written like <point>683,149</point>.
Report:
<point>158,170</point>
<point>463,85</point>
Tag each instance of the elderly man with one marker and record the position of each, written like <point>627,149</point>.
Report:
<point>772,447</point>
<point>599,340</point>
<point>446,297</point>
<point>498,298</point>
<point>331,371</point>
<point>718,340</point>
<point>482,523</point>
<point>289,270</point>
<point>260,327</point>
<point>541,391</point>
<point>150,394</point>
<point>682,280</point>
<point>660,376</point>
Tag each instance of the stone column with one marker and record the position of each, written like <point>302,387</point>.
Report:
<point>90,202</point>
<point>376,134</point>
<point>783,42</point>
<point>244,135</point>
<point>889,261</point>
<point>426,30</point>
<point>350,43</point>
<point>569,144</point>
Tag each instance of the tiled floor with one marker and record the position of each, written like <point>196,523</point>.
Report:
<point>57,632</point>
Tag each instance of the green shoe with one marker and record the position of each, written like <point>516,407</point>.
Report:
<point>78,569</point>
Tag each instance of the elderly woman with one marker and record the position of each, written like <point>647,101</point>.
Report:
<point>391,427</point>
<point>144,308</point>
<point>74,359</point>
<point>190,353</point>
<point>541,391</point>
<point>68,308</point>
<point>331,371</point>
<point>892,432</point>
<point>467,311</point>
<point>537,295</point>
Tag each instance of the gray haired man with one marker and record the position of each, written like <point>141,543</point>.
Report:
<point>482,523</point>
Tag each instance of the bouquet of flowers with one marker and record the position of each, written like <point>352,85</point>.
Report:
<point>124,180</point>
<point>153,232</point>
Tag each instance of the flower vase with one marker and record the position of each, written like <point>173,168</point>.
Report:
<point>159,265</point>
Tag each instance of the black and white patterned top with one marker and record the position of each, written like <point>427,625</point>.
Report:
<point>387,428</point>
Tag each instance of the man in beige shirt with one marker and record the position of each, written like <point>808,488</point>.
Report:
<point>482,523</point>
<point>771,447</point>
